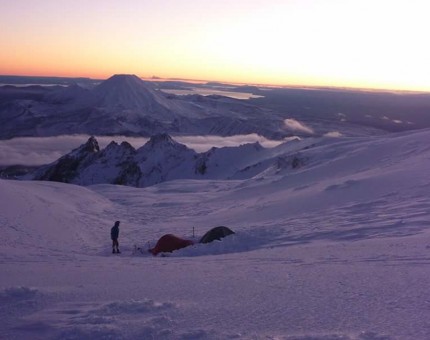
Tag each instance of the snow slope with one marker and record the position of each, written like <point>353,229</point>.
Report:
<point>337,248</point>
<point>162,159</point>
<point>125,104</point>
<point>129,92</point>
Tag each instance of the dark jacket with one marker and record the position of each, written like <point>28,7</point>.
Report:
<point>114,232</point>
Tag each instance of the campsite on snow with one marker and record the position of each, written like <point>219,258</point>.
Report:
<point>317,228</point>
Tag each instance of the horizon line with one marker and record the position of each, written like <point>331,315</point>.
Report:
<point>225,82</point>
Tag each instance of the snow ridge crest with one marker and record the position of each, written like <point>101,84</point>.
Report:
<point>158,160</point>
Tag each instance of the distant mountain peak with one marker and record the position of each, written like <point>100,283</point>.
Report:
<point>129,92</point>
<point>123,78</point>
<point>127,145</point>
<point>162,159</point>
<point>123,75</point>
<point>161,138</point>
<point>91,145</point>
<point>118,81</point>
<point>124,147</point>
<point>68,94</point>
<point>163,141</point>
<point>66,168</point>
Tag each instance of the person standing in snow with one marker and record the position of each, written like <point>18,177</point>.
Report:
<point>114,233</point>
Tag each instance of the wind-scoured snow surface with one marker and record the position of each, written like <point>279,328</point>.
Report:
<point>338,248</point>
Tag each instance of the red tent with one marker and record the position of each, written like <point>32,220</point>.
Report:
<point>168,243</point>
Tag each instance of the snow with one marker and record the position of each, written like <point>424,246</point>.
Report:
<point>337,248</point>
<point>123,91</point>
<point>47,149</point>
<point>127,105</point>
<point>160,159</point>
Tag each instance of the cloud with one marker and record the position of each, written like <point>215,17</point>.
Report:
<point>295,125</point>
<point>35,151</point>
<point>44,150</point>
<point>333,134</point>
<point>204,143</point>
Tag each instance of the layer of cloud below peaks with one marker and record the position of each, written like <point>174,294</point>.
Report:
<point>297,126</point>
<point>333,134</point>
<point>43,150</point>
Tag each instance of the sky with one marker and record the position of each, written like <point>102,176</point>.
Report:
<point>347,43</point>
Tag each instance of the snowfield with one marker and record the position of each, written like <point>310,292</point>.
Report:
<point>338,248</point>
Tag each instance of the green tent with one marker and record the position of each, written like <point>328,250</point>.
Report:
<point>216,233</point>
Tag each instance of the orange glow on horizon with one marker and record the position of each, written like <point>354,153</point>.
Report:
<point>337,43</point>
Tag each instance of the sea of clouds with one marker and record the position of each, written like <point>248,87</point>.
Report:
<point>35,151</point>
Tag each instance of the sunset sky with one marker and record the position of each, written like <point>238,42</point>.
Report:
<point>353,43</point>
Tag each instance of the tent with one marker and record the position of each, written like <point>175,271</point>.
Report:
<point>216,233</point>
<point>168,243</point>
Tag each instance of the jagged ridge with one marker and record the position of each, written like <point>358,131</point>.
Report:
<point>160,159</point>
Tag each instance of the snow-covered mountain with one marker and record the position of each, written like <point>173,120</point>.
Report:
<point>163,159</point>
<point>335,248</point>
<point>332,235</point>
<point>123,92</point>
<point>127,105</point>
<point>74,93</point>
